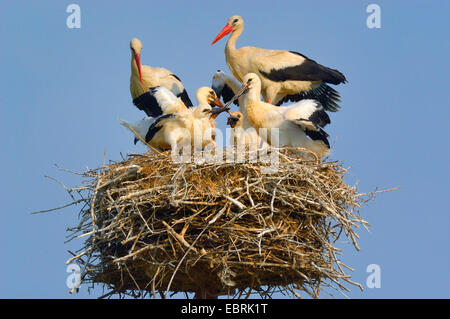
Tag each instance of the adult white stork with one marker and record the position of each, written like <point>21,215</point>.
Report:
<point>144,77</point>
<point>299,124</point>
<point>285,75</point>
<point>176,126</point>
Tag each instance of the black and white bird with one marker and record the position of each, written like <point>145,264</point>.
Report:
<point>285,75</point>
<point>144,77</point>
<point>177,125</point>
<point>299,125</point>
<point>226,86</point>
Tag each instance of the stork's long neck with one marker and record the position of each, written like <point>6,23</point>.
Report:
<point>247,101</point>
<point>136,87</point>
<point>254,94</point>
<point>230,48</point>
<point>134,67</point>
<point>254,109</point>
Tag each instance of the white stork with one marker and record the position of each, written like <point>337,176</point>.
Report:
<point>299,124</point>
<point>285,75</point>
<point>144,77</point>
<point>227,87</point>
<point>178,126</point>
<point>239,137</point>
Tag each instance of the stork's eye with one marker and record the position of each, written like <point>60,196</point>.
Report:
<point>249,80</point>
<point>235,20</point>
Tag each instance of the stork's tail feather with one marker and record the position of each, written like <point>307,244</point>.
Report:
<point>325,94</point>
<point>132,128</point>
<point>124,123</point>
<point>185,98</point>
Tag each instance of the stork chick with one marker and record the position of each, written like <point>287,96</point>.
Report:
<point>227,86</point>
<point>299,125</point>
<point>238,136</point>
<point>172,130</point>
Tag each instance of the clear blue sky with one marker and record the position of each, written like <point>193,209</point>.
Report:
<point>62,90</point>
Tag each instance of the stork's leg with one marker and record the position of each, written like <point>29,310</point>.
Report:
<point>270,93</point>
<point>277,99</point>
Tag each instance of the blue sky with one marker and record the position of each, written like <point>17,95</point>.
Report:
<point>62,90</point>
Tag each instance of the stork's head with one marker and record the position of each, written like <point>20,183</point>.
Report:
<point>251,82</point>
<point>218,75</point>
<point>218,82</point>
<point>233,24</point>
<point>136,47</point>
<point>207,99</point>
<point>235,119</point>
<point>203,111</point>
<point>206,95</point>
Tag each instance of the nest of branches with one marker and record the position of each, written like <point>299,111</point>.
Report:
<point>155,227</point>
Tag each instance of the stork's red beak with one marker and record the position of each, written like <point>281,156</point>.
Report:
<point>137,57</point>
<point>216,111</point>
<point>216,102</point>
<point>227,29</point>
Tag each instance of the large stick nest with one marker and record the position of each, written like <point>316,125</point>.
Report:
<point>155,227</point>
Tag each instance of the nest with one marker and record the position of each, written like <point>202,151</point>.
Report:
<point>155,227</point>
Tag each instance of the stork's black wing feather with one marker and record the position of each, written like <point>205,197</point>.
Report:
<point>308,70</point>
<point>147,103</point>
<point>318,135</point>
<point>325,94</point>
<point>226,93</point>
<point>185,98</point>
<point>155,127</point>
<point>176,77</point>
<point>320,118</point>
<point>183,95</point>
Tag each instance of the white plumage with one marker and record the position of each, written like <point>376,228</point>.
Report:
<point>167,102</point>
<point>285,75</point>
<point>144,77</point>
<point>227,86</point>
<point>178,126</point>
<point>299,125</point>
